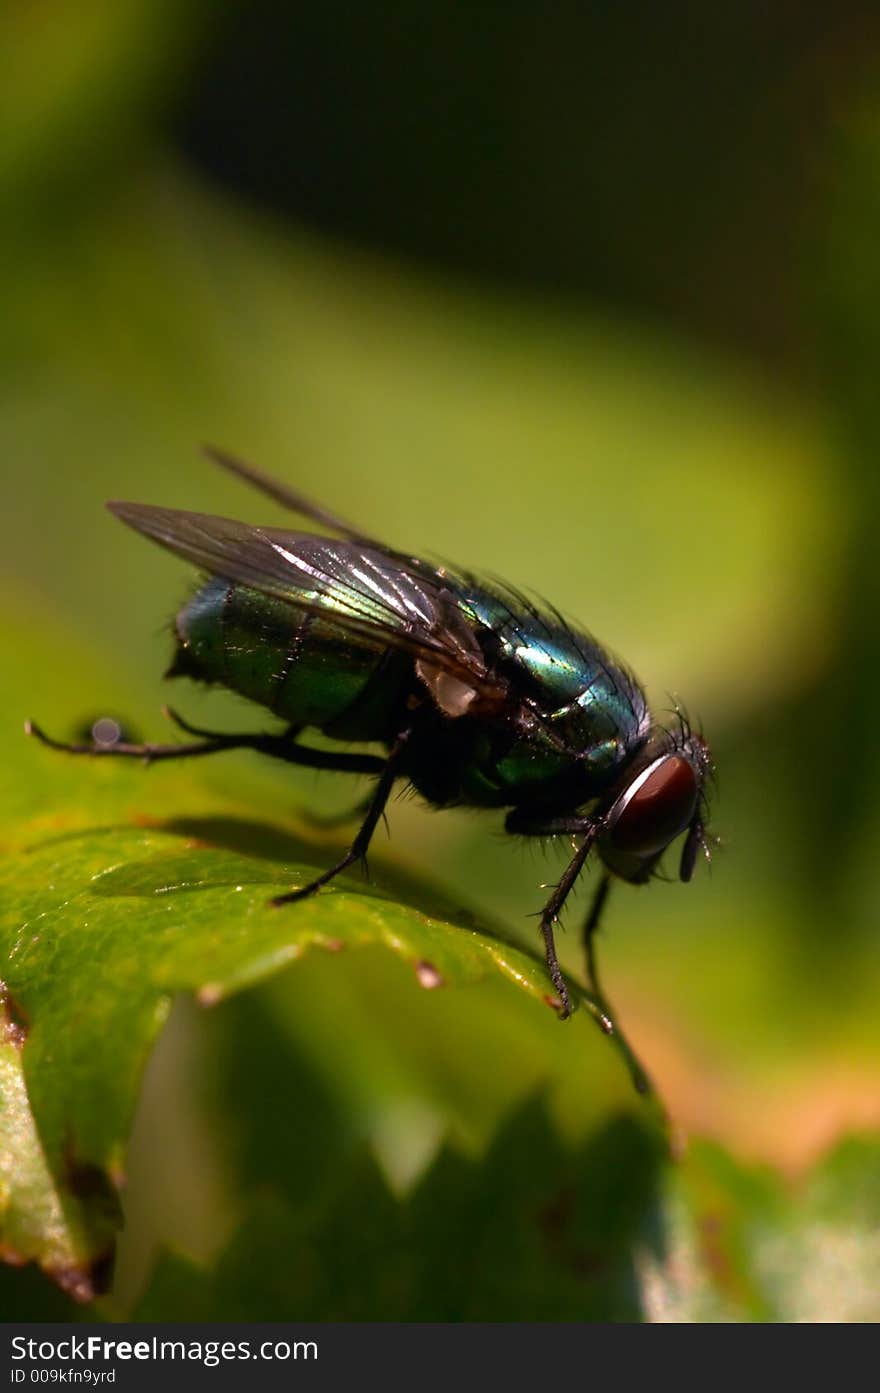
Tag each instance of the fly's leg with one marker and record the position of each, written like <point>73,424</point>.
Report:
<point>285,747</point>
<point>304,755</point>
<point>518,821</point>
<point>122,749</point>
<point>590,828</point>
<point>693,843</point>
<point>282,747</point>
<point>590,927</point>
<point>641,1081</point>
<point>341,763</point>
<point>550,915</point>
<point>391,770</point>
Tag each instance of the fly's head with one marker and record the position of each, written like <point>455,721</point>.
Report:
<point>662,794</point>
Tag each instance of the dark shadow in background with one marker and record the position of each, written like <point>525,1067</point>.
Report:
<point>659,159</point>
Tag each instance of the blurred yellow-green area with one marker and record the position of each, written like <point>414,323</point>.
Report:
<point>588,298</point>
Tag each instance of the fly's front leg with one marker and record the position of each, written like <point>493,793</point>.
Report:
<point>695,841</point>
<point>591,926</point>
<point>550,916</point>
<point>391,770</point>
<point>588,828</point>
<point>638,1074</point>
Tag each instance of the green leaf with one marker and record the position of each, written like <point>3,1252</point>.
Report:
<point>534,1226</point>
<point>534,1230</point>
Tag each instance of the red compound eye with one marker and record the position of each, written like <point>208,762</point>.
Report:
<point>661,806</point>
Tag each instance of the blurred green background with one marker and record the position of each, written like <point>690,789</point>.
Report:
<point>587,297</point>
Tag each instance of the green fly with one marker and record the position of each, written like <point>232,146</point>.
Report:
<point>477,695</point>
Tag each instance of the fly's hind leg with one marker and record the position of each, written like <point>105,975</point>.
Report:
<point>283,747</point>
<point>391,770</point>
<point>286,748</point>
<point>123,749</point>
<point>292,753</point>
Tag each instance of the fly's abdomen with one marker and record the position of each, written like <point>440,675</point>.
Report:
<point>294,661</point>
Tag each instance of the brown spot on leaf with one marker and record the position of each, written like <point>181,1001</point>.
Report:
<point>14,1024</point>
<point>333,945</point>
<point>428,976</point>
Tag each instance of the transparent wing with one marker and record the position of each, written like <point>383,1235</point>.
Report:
<point>364,589</point>
<point>286,496</point>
